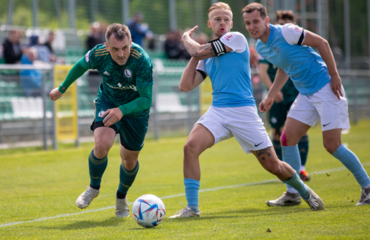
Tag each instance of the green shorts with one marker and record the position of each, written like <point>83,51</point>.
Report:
<point>278,113</point>
<point>132,131</point>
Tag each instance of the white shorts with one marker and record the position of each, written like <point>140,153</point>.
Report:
<point>243,123</point>
<point>324,106</point>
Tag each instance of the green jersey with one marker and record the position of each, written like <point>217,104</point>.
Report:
<point>289,91</point>
<point>120,83</point>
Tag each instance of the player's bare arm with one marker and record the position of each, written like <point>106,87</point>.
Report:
<point>314,40</point>
<point>197,51</point>
<point>190,78</point>
<point>280,79</point>
<point>262,73</point>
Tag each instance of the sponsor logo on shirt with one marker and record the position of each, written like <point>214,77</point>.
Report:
<point>277,50</point>
<point>106,73</point>
<point>298,29</point>
<point>228,37</point>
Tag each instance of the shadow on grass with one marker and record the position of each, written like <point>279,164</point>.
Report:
<point>247,212</point>
<point>113,221</point>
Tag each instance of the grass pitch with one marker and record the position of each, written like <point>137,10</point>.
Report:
<point>38,191</point>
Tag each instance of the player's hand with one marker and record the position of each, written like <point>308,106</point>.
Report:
<point>112,116</point>
<point>279,97</point>
<point>336,86</point>
<point>266,104</point>
<point>55,94</point>
<point>188,33</point>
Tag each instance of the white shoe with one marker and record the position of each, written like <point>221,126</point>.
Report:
<point>314,201</point>
<point>186,212</point>
<point>287,199</point>
<point>122,209</point>
<point>365,197</point>
<point>84,200</point>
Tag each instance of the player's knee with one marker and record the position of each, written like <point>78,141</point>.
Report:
<point>190,148</point>
<point>101,150</point>
<point>331,146</point>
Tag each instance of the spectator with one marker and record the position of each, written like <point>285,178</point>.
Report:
<point>49,45</point>
<point>139,30</point>
<point>172,45</point>
<point>94,37</point>
<point>43,53</point>
<point>31,79</point>
<point>12,47</point>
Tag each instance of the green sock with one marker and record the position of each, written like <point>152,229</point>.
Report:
<point>126,178</point>
<point>303,149</point>
<point>277,147</point>
<point>96,168</point>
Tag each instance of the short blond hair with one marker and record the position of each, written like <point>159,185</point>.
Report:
<point>220,5</point>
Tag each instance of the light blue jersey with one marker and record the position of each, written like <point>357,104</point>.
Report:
<point>230,73</point>
<point>305,67</point>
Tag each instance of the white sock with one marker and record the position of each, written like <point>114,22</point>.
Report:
<point>302,168</point>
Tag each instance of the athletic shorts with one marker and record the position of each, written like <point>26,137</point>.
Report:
<point>132,131</point>
<point>243,123</point>
<point>324,106</point>
<point>278,113</point>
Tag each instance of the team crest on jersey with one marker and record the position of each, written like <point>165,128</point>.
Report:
<point>127,73</point>
<point>101,113</point>
<point>277,50</point>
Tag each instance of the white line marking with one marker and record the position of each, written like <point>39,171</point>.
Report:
<point>170,196</point>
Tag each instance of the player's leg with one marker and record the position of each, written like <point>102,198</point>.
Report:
<point>206,132</point>
<point>98,158</point>
<point>128,171</point>
<point>303,147</point>
<point>334,117</point>
<point>132,135</point>
<point>199,139</point>
<point>288,175</point>
<point>333,144</point>
<point>248,128</point>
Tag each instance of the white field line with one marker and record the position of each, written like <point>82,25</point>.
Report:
<point>170,196</point>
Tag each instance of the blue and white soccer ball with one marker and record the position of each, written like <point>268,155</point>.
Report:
<point>148,211</point>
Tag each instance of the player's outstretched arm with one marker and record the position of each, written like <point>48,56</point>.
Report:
<point>76,71</point>
<point>262,73</point>
<point>197,51</point>
<point>280,79</point>
<point>313,40</point>
<point>190,78</point>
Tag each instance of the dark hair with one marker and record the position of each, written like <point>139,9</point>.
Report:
<point>286,15</point>
<point>253,7</point>
<point>119,31</point>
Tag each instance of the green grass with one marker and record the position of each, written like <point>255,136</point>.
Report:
<point>37,184</point>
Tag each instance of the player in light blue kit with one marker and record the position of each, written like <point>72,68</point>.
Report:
<point>233,112</point>
<point>321,94</point>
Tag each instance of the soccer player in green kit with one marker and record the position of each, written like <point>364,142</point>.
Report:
<point>122,107</point>
<point>283,101</point>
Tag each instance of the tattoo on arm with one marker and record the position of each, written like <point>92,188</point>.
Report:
<point>266,152</point>
<point>198,51</point>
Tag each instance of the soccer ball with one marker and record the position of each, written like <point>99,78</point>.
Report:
<point>148,211</point>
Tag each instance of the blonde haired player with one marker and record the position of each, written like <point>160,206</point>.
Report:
<point>233,112</point>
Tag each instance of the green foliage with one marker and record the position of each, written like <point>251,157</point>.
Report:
<point>41,184</point>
